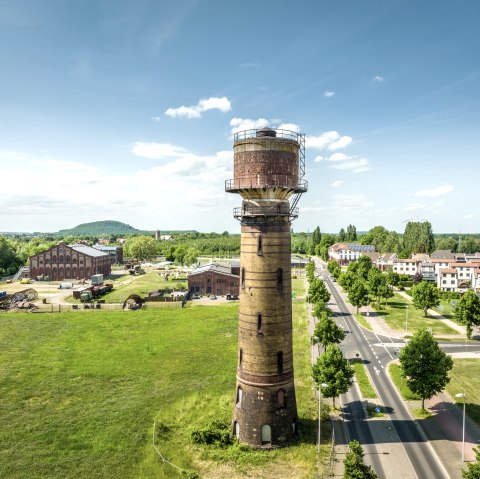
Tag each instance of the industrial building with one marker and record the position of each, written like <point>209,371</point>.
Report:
<point>114,252</point>
<point>61,262</point>
<point>215,278</point>
<point>268,169</point>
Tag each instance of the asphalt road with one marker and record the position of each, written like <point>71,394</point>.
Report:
<point>397,428</point>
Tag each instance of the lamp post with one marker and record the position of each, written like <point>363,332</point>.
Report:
<point>462,395</point>
<point>320,386</point>
<point>406,319</point>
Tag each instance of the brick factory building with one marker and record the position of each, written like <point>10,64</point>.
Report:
<point>115,252</point>
<point>63,262</point>
<point>214,278</point>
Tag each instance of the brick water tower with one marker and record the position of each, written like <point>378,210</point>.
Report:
<point>268,169</point>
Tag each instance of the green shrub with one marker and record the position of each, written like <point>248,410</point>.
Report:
<point>214,432</point>
<point>190,475</point>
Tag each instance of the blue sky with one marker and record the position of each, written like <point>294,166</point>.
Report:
<point>125,110</point>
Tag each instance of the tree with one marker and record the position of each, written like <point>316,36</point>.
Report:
<point>351,233</point>
<point>317,291</point>
<point>141,247</point>
<point>346,280</point>
<point>425,365</point>
<point>342,235</point>
<point>319,308</point>
<point>334,370</point>
<point>418,238</point>
<point>393,278</point>
<point>467,311</point>
<point>358,294</point>
<point>327,332</point>
<point>354,467</point>
<point>191,256</point>
<point>473,468</point>
<point>425,296</point>
<point>364,265</point>
<point>322,249</point>
<point>9,261</point>
<point>377,284</point>
<point>334,268</point>
<point>316,236</point>
<point>310,270</point>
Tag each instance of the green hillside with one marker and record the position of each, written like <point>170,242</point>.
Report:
<point>100,228</point>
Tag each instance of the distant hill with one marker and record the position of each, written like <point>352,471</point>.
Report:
<point>100,228</point>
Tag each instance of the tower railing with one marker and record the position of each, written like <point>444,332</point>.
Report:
<point>253,211</point>
<point>234,185</point>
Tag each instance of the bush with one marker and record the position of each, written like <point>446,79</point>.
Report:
<point>214,432</point>
<point>406,284</point>
<point>190,475</point>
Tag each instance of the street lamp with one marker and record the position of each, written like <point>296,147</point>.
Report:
<point>323,385</point>
<point>462,395</point>
<point>406,319</point>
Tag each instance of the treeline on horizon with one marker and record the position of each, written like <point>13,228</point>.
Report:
<point>418,237</point>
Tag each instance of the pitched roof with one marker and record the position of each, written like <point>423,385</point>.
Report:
<point>215,268</point>
<point>448,270</point>
<point>88,250</point>
<point>442,253</point>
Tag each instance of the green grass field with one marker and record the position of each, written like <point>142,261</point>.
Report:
<point>79,395</point>
<point>140,285</point>
<point>395,316</point>
<point>465,378</point>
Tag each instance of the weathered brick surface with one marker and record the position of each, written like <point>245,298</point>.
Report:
<point>266,175</point>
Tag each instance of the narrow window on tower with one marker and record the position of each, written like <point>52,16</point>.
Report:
<point>243,278</point>
<point>281,398</point>
<point>280,362</point>
<point>240,358</point>
<point>259,323</point>
<point>239,396</point>
<point>279,279</point>
<point>260,245</point>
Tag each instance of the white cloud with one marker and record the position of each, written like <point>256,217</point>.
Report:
<point>339,157</point>
<point>156,151</point>
<point>342,142</point>
<point>336,184</point>
<point>377,78</point>
<point>289,126</point>
<point>240,124</point>
<point>195,111</point>
<point>319,158</point>
<point>156,119</point>
<point>329,94</point>
<point>467,217</point>
<point>356,165</point>
<point>322,141</point>
<point>441,190</point>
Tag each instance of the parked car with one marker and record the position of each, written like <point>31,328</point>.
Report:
<point>212,296</point>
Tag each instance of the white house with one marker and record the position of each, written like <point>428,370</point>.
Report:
<point>345,253</point>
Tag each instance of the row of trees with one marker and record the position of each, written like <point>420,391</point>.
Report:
<point>331,367</point>
<point>364,283</point>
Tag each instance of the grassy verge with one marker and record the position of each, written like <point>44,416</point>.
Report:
<point>363,380</point>
<point>362,321</point>
<point>465,378</point>
<point>395,316</point>
<point>401,383</point>
<point>298,288</point>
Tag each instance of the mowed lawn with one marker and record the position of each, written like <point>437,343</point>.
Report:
<point>395,316</point>
<point>465,378</point>
<point>79,394</point>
